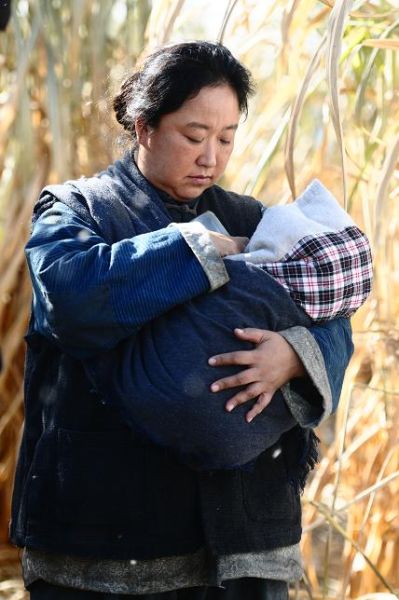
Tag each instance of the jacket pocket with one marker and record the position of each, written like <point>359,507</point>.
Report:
<point>267,493</point>
<point>99,478</point>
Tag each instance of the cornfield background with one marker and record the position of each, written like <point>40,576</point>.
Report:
<point>327,106</point>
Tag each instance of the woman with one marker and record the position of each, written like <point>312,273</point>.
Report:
<point>100,509</point>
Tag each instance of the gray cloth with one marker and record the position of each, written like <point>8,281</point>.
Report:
<point>237,589</point>
<point>159,575</point>
<point>197,237</point>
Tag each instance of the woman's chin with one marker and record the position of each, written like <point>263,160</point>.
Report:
<point>193,190</point>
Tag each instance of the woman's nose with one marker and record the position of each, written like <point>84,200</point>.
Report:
<point>208,157</point>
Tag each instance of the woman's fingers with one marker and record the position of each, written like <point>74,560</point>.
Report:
<point>241,378</point>
<point>251,391</point>
<point>227,245</point>
<point>261,403</point>
<point>240,357</point>
<point>251,334</point>
<point>271,363</point>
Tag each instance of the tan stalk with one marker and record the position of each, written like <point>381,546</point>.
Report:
<point>380,482</point>
<point>328,3</point>
<point>287,22</point>
<point>359,498</point>
<point>360,92</point>
<point>384,44</point>
<point>355,545</point>
<point>254,187</point>
<point>161,21</point>
<point>171,21</point>
<point>231,4</point>
<point>334,45</point>
<point>388,168</point>
<point>296,111</point>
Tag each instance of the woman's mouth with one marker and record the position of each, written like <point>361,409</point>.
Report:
<point>200,179</point>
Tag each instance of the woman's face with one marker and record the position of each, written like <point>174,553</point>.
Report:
<point>189,149</point>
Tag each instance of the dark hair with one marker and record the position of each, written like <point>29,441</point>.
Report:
<point>173,74</point>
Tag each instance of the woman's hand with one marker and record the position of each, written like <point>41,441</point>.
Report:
<point>271,364</point>
<point>226,244</point>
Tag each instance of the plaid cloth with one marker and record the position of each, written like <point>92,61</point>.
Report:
<point>329,275</point>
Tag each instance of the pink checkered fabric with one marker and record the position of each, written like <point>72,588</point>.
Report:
<point>328,275</point>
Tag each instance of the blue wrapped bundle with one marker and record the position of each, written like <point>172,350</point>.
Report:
<point>161,379</point>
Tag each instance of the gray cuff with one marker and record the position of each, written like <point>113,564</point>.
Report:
<point>199,240</point>
<point>309,400</point>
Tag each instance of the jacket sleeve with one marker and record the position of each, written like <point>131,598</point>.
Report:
<point>325,351</point>
<point>334,339</point>
<point>88,295</point>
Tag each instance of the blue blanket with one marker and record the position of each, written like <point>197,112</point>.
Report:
<point>161,379</point>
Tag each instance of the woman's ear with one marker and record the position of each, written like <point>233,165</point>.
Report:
<point>141,129</point>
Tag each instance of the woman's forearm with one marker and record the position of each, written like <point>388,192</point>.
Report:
<point>88,295</point>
